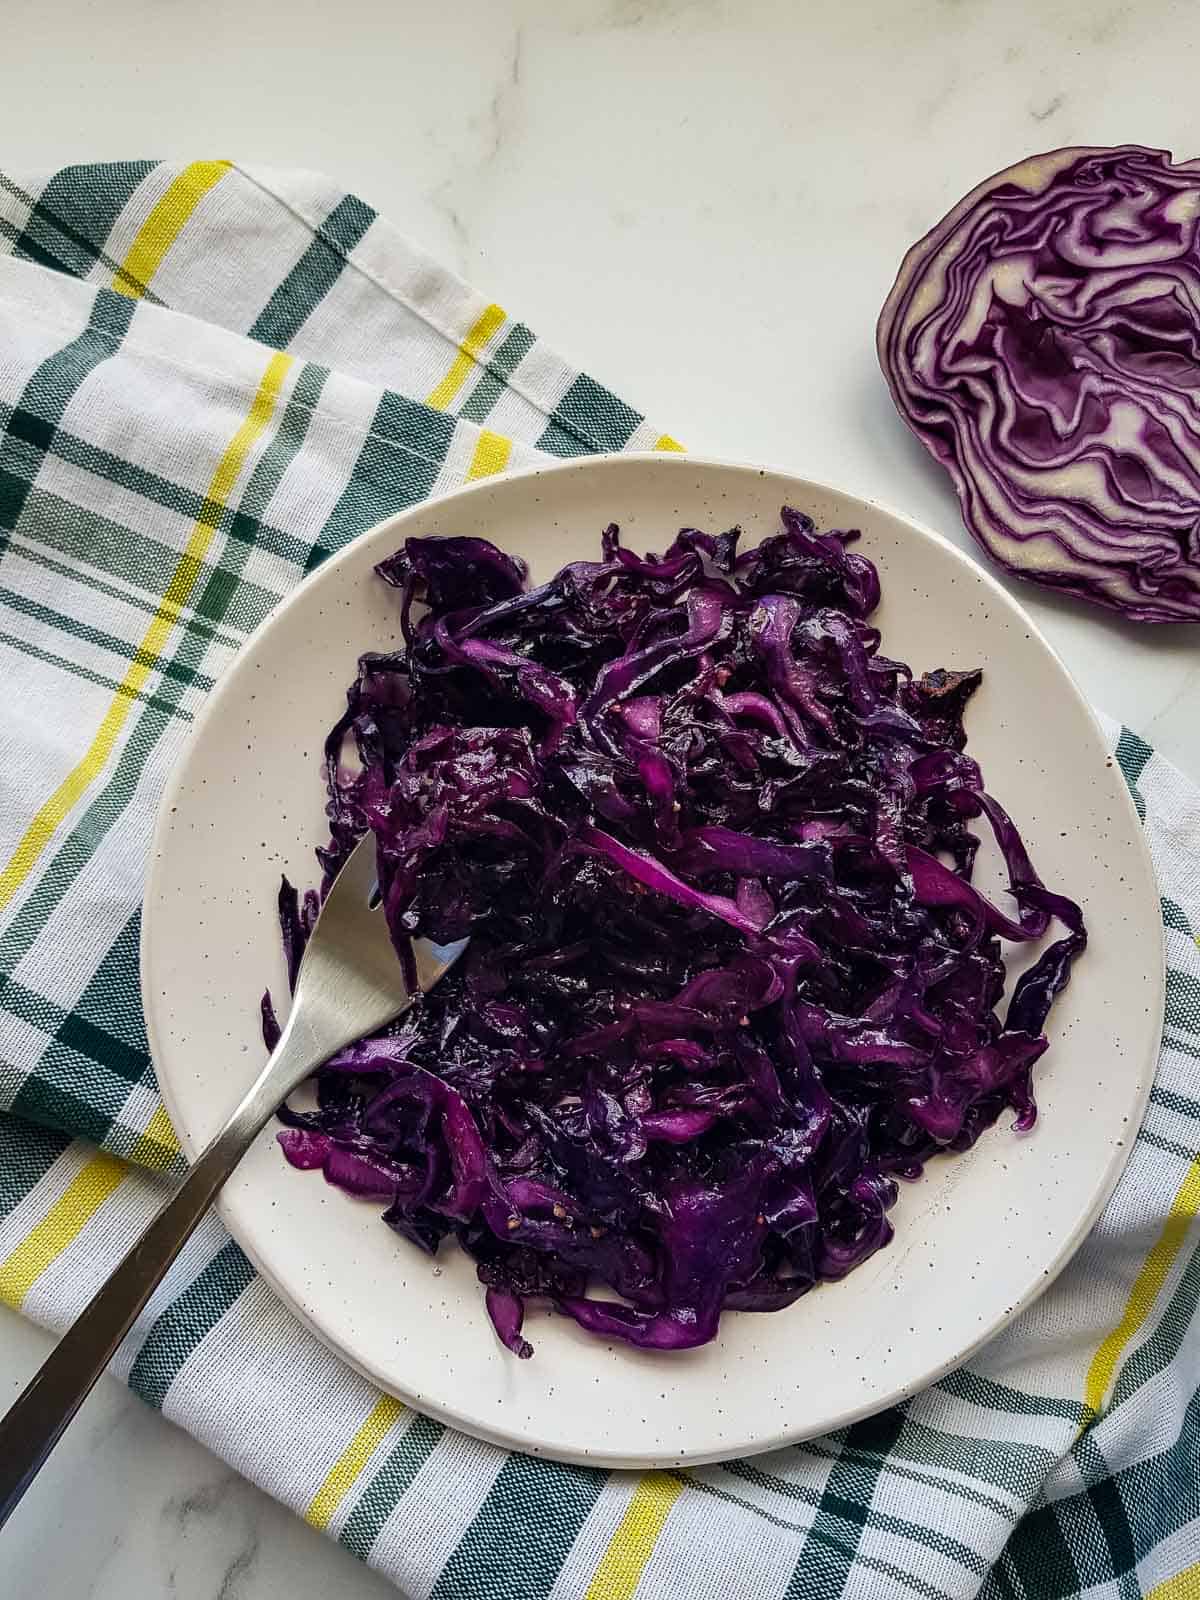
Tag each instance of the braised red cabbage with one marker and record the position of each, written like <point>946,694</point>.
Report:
<point>1043,342</point>
<point>728,977</point>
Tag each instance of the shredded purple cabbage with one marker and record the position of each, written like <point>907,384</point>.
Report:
<point>728,977</point>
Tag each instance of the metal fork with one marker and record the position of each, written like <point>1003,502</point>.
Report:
<point>349,984</point>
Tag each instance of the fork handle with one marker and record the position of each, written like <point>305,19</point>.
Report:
<point>36,1420</point>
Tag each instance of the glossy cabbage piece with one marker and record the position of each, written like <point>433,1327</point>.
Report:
<point>729,979</point>
<point>1043,342</point>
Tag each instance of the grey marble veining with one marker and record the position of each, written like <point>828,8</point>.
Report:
<point>701,201</point>
<point>130,1508</point>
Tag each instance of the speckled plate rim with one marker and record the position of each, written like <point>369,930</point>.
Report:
<point>1143,1055</point>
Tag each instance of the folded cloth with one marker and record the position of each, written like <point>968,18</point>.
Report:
<point>211,377</point>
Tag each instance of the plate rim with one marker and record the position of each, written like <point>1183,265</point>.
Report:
<point>153,899</point>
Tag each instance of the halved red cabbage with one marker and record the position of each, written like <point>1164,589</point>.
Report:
<point>728,976</point>
<point>1043,342</point>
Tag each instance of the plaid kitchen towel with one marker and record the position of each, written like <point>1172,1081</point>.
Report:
<point>210,378</point>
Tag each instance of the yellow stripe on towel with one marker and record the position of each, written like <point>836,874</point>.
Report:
<point>631,1546</point>
<point>1183,1586</point>
<point>351,1461</point>
<point>158,1145</point>
<point>492,451</point>
<point>1144,1293</point>
<point>164,225</point>
<point>188,569</point>
<point>62,1224</point>
<point>482,330</point>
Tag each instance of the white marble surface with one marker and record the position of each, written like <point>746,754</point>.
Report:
<point>131,1508</point>
<point>701,201</point>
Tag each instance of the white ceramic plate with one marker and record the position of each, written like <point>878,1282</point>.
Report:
<point>976,1240</point>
